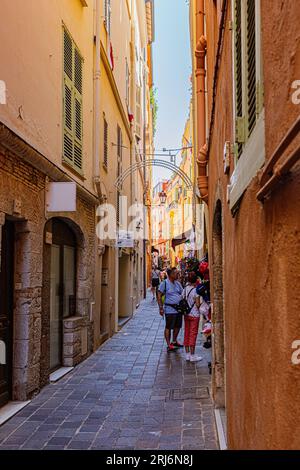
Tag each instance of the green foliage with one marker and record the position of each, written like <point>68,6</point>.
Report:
<point>192,264</point>
<point>154,105</point>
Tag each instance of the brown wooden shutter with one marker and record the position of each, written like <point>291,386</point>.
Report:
<point>105,144</point>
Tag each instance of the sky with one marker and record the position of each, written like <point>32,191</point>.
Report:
<point>172,70</point>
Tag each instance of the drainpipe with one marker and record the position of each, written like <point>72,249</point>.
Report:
<point>200,53</point>
<point>145,178</point>
<point>97,77</point>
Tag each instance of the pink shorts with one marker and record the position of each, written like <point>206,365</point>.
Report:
<point>191,326</point>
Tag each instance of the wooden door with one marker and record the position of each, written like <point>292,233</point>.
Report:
<point>6,311</point>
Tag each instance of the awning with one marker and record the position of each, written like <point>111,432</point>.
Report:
<point>183,238</point>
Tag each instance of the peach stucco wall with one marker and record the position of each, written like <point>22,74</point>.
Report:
<point>261,250</point>
<point>33,73</point>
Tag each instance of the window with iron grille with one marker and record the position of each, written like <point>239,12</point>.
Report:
<point>72,103</point>
<point>248,83</point>
<point>105,143</point>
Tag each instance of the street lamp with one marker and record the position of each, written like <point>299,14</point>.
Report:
<point>163,198</point>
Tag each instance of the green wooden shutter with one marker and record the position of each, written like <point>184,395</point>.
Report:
<point>68,122</point>
<point>68,55</point>
<point>72,104</point>
<point>68,100</point>
<point>240,117</point>
<point>251,67</point>
<point>78,66</point>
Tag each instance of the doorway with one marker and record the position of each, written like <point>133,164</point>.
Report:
<point>106,311</point>
<point>124,286</point>
<point>62,287</point>
<point>6,310</point>
<point>219,343</point>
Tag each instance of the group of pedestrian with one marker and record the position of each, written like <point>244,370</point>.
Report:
<point>170,295</point>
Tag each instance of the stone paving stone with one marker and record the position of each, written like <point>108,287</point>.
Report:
<point>15,440</point>
<point>105,443</point>
<point>79,445</point>
<point>59,441</point>
<point>119,398</point>
<point>64,433</point>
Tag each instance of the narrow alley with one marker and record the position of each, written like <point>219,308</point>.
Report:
<point>149,147</point>
<point>130,394</point>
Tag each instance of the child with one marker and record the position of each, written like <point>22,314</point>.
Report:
<point>191,321</point>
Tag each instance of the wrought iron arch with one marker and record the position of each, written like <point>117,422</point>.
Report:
<point>154,162</point>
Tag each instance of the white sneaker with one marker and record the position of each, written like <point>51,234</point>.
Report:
<point>195,358</point>
<point>187,357</point>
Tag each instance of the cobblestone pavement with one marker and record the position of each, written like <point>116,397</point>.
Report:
<point>130,394</point>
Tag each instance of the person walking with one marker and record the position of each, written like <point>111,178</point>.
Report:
<point>192,319</point>
<point>155,281</point>
<point>172,290</point>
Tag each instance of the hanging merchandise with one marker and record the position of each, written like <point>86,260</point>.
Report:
<point>204,310</point>
<point>203,289</point>
<point>207,329</point>
<point>204,270</point>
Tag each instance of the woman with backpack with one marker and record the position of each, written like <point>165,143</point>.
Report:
<point>192,319</point>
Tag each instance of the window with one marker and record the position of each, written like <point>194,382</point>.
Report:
<point>105,143</point>
<point>119,143</point>
<point>119,150</point>
<point>107,15</point>
<point>127,84</point>
<point>119,169</point>
<point>138,127</point>
<point>248,97</point>
<point>248,82</point>
<point>118,208</point>
<point>72,103</point>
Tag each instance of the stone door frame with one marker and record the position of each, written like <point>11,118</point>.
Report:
<point>218,319</point>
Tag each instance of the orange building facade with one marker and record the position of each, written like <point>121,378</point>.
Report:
<point>247,131</point>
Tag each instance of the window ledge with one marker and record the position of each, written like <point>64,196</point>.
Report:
<point>251,160</point>
<point>72,169</point>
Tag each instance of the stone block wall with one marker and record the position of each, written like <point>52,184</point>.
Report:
<point>22,198</point>
<point>72,341</point>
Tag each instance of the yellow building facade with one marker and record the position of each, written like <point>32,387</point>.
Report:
<point>126,126</point>
<point>74,117</point>
<point>180,203</point>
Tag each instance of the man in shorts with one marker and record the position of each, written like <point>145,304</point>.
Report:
<point>172,290</point>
